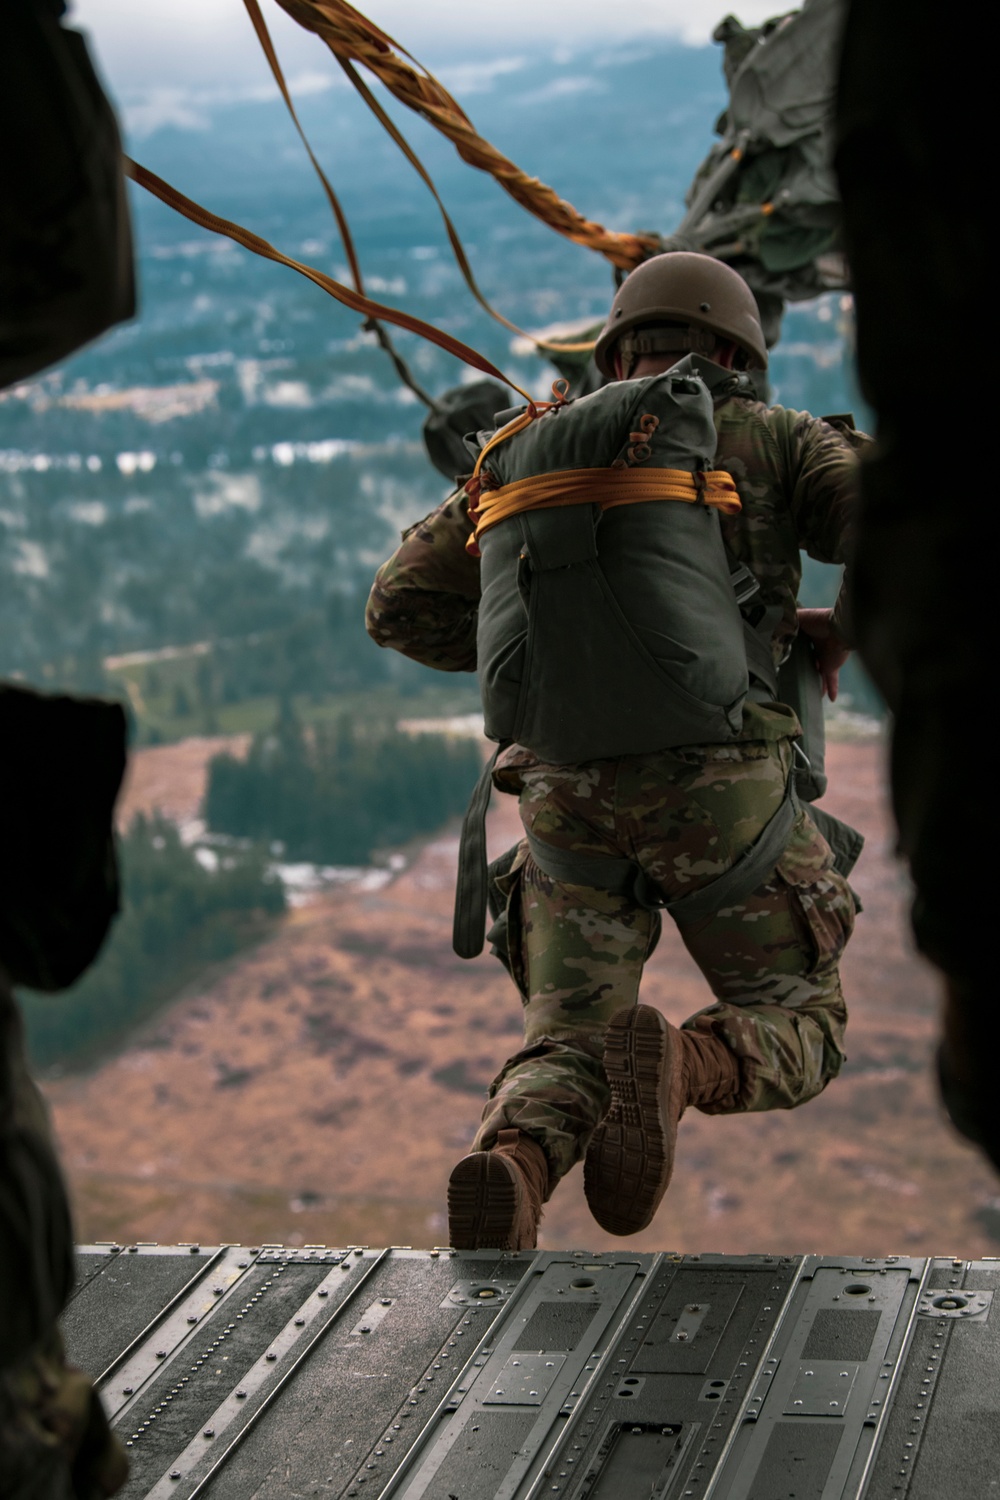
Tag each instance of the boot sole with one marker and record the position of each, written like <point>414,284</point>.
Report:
<point>631,1153</point>
<point>484,1203</point>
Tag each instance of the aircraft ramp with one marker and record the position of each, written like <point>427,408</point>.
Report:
<point>236,1373</point>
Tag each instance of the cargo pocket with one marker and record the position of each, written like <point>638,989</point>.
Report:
<point>504,897</point>
<point>822,905</point>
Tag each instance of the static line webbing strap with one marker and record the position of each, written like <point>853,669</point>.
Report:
<point>352,38</point>
<point>531,413</point>
<point>626,877</point>
<point>604,487</point>
<point>358,303</point>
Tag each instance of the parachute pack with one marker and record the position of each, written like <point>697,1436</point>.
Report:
<point>608,623</point>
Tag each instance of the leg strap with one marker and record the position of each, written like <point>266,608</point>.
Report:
<point>608,872</point>
<point>627,878</point>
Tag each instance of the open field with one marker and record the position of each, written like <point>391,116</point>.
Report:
<point>318,1088</point>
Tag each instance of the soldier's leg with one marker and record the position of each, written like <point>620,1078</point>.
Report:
<point>577,956</point>
<point>772,963</point>
<point>771,960</point>
<point>774,1038</point>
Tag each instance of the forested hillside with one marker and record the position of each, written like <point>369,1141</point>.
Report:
<point>218,479</point>
<point>339,794</point>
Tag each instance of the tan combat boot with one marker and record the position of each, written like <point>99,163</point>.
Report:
<point>654,1071</point>
<point>495,1197</point>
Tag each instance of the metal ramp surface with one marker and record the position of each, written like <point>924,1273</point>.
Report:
<point>235,1374</point>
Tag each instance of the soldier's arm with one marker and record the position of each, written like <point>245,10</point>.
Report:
<point>822,469</point>
<point>425,599</point>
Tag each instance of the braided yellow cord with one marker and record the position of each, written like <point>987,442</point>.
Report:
<point>352,38</point>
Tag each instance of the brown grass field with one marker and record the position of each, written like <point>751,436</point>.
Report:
<point>317,1090</point>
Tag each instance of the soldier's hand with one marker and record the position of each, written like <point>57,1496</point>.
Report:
<point>828,648</point>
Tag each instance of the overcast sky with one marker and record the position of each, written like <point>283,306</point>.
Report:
<point>146,44</point>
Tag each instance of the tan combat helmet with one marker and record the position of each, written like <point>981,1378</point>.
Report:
<point>699,296</point>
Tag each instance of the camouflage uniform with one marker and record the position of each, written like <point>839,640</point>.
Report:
<point>684,815</point>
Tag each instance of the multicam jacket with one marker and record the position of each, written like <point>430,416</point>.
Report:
<point>796,476</point>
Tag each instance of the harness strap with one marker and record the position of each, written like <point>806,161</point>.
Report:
<point>759,622</point>
<point>471,891</point>
<point>745,585</point>
<point>760,660</point>
<point>626,877</point>
<point>604,872</point>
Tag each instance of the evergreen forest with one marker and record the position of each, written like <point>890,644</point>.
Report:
<point>339,793</point>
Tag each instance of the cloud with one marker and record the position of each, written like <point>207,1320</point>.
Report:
<point>167,43</point>
<point>463,79</point>
<point>161,108</point>
<point>202,45</point>
<point>146,110</point>
<point>561,88</point>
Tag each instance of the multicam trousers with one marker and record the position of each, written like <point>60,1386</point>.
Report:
<point>577,953</point>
